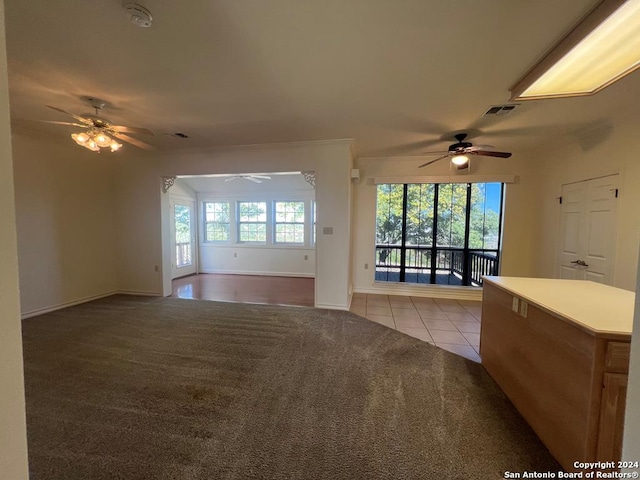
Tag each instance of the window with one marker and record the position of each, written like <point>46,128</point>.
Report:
<point>252,222</point>
<point>289,222</point>
<point>216,222</point>
<point>438,233</point>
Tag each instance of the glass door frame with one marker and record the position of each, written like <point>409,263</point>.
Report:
<point>486,264</point>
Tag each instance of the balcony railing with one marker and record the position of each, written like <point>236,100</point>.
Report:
<point>440,265</point>
<point>183,254</point>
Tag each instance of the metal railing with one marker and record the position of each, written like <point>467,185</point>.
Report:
<point>183,254</point>
<point>425,264</point>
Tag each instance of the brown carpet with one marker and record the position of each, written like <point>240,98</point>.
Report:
<point>151,388</point>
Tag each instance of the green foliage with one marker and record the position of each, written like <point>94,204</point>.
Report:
<point>452,203</point>
<point>183,223</point>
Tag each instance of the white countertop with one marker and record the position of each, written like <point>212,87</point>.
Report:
<point>599,308</point>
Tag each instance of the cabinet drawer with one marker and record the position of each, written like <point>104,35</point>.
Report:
<point>617,358</point>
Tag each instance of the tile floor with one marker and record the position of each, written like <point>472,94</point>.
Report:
<point>450,324</point>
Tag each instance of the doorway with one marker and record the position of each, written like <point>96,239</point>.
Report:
<point>442,233</point>
<point>183,236</point>
<point>588,228</point>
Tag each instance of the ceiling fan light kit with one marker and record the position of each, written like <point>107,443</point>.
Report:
<point>601,49</point>
<point>95,140</point>
<point>460,153</point>
<point>101,132</point>
<point>459,160</point>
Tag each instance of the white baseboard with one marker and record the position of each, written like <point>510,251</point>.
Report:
<point>330,306</point>
<point>140,293</point>
<point>429,291</point>
<point>60,306</point>
<point>259,273</point>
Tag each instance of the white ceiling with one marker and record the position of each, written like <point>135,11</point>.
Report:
<point>395,75</point>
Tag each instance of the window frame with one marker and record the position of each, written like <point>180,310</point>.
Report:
<point>275,223</point>
<point>468,279</point>
<point>240,223</point>
<point>206,223</point>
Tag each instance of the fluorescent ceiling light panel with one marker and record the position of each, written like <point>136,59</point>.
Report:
<point>602,48</point>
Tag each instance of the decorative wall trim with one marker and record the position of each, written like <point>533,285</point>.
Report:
<point>167,183</point>
<point>310,178</point>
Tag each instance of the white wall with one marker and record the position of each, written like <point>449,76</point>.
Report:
<point>631,442</point>
<point>66,223</point>
<point>609,149</point>
<point>13,430</point>
<point>142,206</point>
<point>518,228</point>
<point>270,259</point>
<point>139,228</point>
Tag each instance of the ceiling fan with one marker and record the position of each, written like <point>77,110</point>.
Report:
<point>99,130</point>
<point>251,178</point>
<point>459,152</point>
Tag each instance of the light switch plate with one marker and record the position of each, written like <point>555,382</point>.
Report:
<point>524,308</point>
<point>515,304</point>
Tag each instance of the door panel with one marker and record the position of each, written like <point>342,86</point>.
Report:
<point>183,236</point>
<point>572,208</point>
<point>588,230</point>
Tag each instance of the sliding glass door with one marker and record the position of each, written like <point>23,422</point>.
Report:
<point>438,233</point>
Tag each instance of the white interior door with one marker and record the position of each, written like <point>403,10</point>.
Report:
<point>183,235</point>
<point>588,230</point>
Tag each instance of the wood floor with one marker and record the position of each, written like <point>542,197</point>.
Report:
<point>246,289</point>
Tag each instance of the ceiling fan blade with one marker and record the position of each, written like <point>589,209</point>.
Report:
<point>265,177</point>
<point>123,129</point>
<point>85,121</point>
<point>253,179</point>
<point>489,153</point>
<point>231,179</point>
<point>435,152</point>
<point>433,161</point>
<point>64,123</point>
<point>473,148</point>
<point>134,141</point>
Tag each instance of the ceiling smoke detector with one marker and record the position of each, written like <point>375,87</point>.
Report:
<point>138,15</point>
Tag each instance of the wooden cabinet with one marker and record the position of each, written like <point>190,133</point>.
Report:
<point>612,406</point>
<point>568,380</point>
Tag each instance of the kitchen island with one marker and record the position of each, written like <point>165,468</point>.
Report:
<point>559,349</point>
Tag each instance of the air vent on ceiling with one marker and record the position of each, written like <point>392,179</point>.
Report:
<point>500,109</point>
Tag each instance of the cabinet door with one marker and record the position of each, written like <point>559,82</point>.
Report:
<point>614,395</point>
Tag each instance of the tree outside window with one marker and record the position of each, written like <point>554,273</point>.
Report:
<point>289,222</point>
<point>252,222</point>
<point>216,222</point>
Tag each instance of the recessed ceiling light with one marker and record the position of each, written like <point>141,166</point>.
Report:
<point>601,49</point>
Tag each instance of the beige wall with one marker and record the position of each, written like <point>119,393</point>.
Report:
<point>609,149</point>
<point>13,432</point>
<point>143,210</point>
<point>65,221</point>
